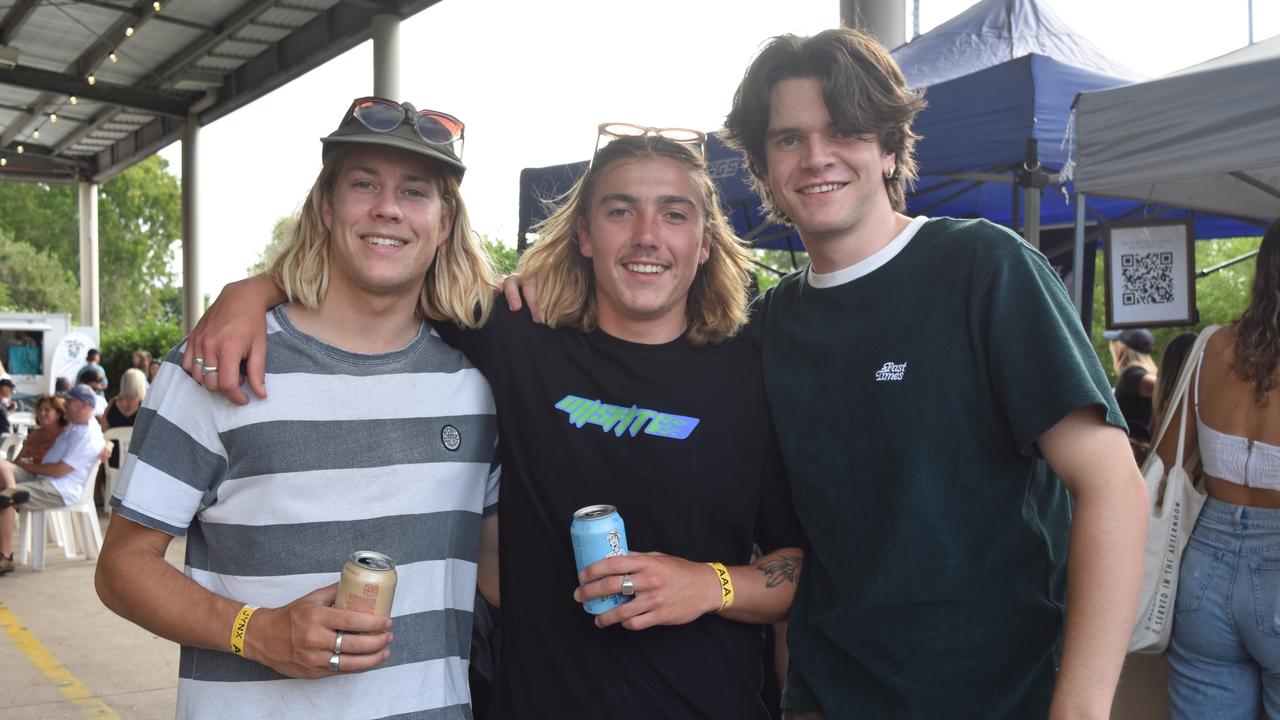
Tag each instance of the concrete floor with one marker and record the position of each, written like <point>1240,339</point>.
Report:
<point>119,669</point>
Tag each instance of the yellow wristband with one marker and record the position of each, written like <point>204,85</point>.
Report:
<point>239,627</point>
<point>726,585</point>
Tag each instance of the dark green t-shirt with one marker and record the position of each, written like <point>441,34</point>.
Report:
<point>907,404</point>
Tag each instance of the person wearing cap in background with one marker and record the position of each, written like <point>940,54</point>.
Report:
<point>59,478</point>
<point>1135,376</point>
<point>98,383</point>
<point>377,436</point>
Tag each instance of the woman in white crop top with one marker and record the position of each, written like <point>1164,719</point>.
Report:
<point>1225,653</point>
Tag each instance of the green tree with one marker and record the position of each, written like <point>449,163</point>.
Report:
<point>1220,297</point>
<point>34,280</point>
<point>139,220</point>
<point>504,257</point>
<point>281,234</point>
<point>780,261</point>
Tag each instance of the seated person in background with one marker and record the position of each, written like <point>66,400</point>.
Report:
<point>97,382</point>
<point>1135,374</point>
<point>59,478</point>
<point>123,408</point>
<point>51,419</point>
<point>92,361</point>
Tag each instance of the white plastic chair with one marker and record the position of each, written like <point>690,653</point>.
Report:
<point>84,518</point>
<point>122,436</point>
<point>9,446</point>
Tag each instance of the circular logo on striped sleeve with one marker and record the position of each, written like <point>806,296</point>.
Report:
<point>450,437</point>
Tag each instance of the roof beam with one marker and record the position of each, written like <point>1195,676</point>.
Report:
<point>1255,183</point>
<point>88,60</point>
<point>85,130</point>
<point>128,96</point>
<point>158,17</point>
<point>15,19</point>
<point>175,64</point>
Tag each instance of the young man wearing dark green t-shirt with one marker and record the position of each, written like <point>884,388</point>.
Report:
<point>942,416</point>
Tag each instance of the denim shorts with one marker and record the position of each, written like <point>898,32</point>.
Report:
<point>1225,654</point>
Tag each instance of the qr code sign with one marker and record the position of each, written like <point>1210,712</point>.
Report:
<point>1147,278</point>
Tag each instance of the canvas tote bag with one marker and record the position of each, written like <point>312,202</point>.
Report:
<point>1173,505</point>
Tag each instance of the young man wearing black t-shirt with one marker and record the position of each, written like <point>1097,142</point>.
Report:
<point>638,394</point>
<point>936,401</point>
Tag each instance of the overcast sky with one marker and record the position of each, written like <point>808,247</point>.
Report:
<point>531,80</point>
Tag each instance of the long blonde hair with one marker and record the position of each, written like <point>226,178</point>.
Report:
<point>460,282</point>
<point>1126,356</point>
<point>717,303</point>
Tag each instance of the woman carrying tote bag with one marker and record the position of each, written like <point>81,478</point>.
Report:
<point>1225,653</point>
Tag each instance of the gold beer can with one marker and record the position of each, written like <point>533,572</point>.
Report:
<point>368,583</point>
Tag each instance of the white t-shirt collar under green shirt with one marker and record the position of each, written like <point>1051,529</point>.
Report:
<point>869,263</point>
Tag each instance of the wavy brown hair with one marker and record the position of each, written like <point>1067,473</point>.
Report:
<point>1257,350</point>
<point>865,93</point>
<point>717,304</point>
<point>460,282</point>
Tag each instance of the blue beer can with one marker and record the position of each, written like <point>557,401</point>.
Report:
<point>597,533</point>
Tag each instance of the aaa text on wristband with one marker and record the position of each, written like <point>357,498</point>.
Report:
<point>726,585</point>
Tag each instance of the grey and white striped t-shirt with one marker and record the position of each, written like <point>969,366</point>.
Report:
<point>392,452</point>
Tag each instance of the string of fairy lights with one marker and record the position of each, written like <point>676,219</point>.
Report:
<point>50,114</point>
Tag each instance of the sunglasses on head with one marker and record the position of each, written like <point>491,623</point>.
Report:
<point>383,115</point>
<point>608,132</point>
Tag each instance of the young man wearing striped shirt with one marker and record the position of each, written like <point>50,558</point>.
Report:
<point>377,436</point>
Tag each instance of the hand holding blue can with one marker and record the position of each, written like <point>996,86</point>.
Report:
<point>597,533</point>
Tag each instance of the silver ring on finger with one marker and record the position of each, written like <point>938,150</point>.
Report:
<point>628,587</point>
<point>333,661</point>
<point>208,370</point>
<point>197,361</point>
<point>337,644</point>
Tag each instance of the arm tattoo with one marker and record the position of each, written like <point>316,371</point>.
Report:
<point>784,568</point>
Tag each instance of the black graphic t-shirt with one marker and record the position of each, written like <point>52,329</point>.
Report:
<point>680,441</point>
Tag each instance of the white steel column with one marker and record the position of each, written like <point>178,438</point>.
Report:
<point>386,57</point>
<point>885,19</point>
<point>90,306</point>
<point>192,296</point>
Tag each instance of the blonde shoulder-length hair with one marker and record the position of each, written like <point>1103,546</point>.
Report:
<point>717,303</point>
<point>460,282</point>
<point>133,384</point>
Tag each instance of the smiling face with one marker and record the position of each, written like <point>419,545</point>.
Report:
<point>828,180</point>
<point>644,236</point>
<point>385,217</point>
<point>46,413</point>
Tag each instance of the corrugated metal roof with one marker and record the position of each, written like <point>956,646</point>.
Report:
<point>214,54</point>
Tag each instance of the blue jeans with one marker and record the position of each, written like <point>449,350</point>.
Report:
<point>1225,654</point>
